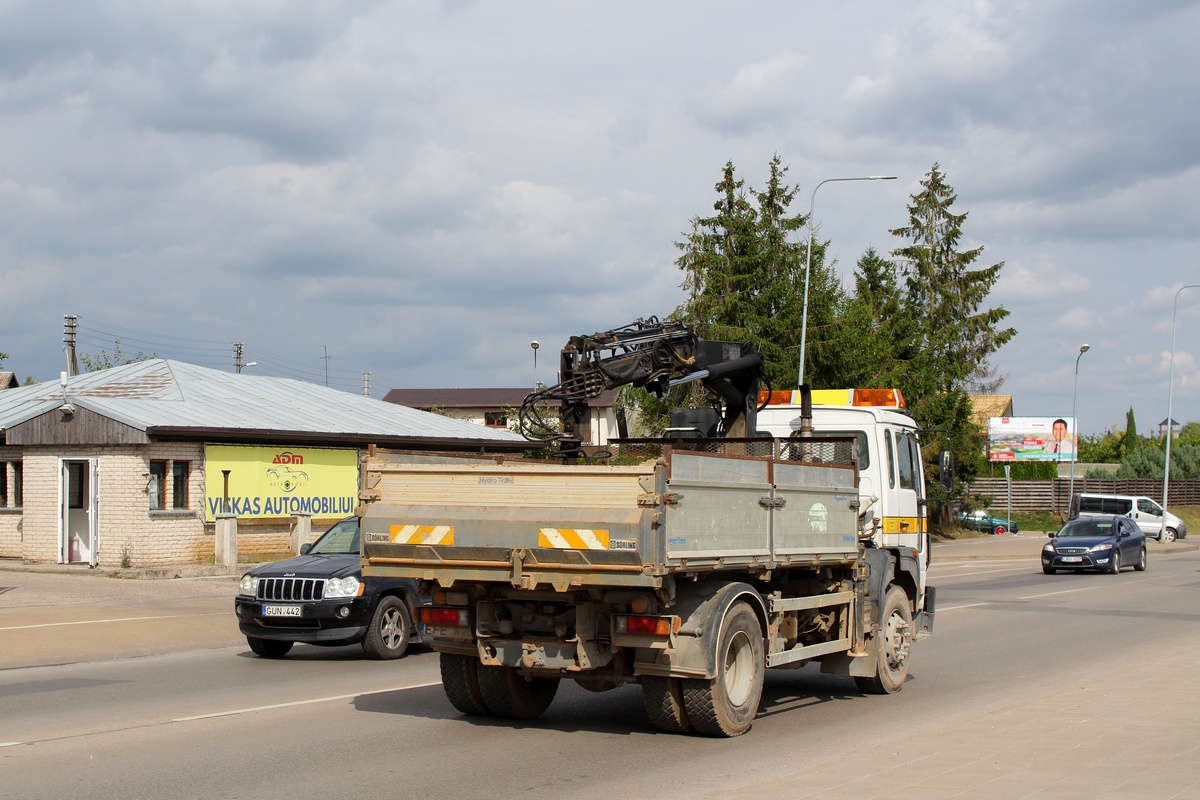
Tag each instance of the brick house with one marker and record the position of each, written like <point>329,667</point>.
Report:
<point>128,466</point>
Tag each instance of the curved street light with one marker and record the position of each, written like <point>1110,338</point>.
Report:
<point>1170,397</point>
<point>1075,421</point>
<point>808,264</point>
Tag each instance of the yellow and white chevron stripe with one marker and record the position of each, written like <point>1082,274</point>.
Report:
<point>422,534</point>
<point>573,538</point>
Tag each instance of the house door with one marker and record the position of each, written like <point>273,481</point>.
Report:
<point>80,537</point>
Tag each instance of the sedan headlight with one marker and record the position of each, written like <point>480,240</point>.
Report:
<point>341,587</point>
<point>1048,547</point>
<point>249,585</point>
<point>1097,548</point>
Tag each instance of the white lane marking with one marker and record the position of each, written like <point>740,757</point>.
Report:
<point>968,605</point>
<point>93,621</point>
<point>333,698</point>
<point>1064,591</point>
<point>978,573</point>
<point>10,744</point>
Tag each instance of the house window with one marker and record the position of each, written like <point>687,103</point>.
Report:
<point>179,484</point>
<point>18,491</point>
<point>495,419</point>
<point>157,487</point>
<point>3,484</point>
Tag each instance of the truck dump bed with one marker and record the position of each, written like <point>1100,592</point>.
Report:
<point>470,519</point>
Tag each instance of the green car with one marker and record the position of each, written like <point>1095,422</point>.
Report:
<point>982,521</point>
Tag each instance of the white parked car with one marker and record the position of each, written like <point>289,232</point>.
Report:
<point>1154,521</point>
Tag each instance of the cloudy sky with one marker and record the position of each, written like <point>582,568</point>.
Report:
<point>419,189</point>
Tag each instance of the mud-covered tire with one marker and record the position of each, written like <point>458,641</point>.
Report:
<point>510,694</point>
<point>895,646</point>
<point>268,648</point>
<point>1140,566</point>
<point>390,630</point>
<point>727,704</point>
<point>663,699</point>
<point>1168,535</point>
<point>460,682</point>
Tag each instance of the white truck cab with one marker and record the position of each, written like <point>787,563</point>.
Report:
<point>890,469</point>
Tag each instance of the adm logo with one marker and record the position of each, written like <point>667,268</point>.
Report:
<point>283,475</point>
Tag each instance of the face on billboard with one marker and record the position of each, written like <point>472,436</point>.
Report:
<point>273,482</point>
<point>1014,439</point>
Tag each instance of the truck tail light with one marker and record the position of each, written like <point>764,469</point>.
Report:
<point>647,626</point>
<point>445,616</point>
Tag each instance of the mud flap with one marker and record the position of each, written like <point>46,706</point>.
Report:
<point>924,619</point>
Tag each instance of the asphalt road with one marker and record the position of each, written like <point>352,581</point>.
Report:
<point>220,723</point>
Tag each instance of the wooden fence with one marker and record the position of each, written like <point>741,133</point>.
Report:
<point>1054,495</point>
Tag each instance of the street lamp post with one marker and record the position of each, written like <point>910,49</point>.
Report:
<point>1170,396</point>
<point>808,263</point>
<point>1075,420</point>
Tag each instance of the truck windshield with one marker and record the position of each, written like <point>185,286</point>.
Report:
<point>341,539</point>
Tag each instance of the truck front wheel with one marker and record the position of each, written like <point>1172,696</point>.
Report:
<point>895,641</point>
<point>510,694</point>
<point>727,704</point>
<point>461,684</point>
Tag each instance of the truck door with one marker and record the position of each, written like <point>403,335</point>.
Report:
<point>903,523</point>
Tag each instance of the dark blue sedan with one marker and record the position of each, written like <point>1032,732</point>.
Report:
<point>1100,543</point>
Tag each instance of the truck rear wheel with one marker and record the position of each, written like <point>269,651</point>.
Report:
<point>895,642</point>
<point>727,704</point>
<point>461,684</point>
<point>510,694</point>
<point>663,698</point>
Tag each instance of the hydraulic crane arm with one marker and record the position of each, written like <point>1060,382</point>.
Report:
<point>651,354</point>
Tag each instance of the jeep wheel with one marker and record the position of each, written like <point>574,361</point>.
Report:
<point>268,648</point>
<point>387,635</point>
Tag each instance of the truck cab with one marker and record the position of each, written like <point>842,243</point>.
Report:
<point>890,468</point>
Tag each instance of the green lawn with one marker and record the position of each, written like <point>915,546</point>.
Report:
<point>1190,516</point>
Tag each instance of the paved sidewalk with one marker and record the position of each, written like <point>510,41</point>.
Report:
<point>1117,736</point>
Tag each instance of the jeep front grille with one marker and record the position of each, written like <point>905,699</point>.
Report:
<point>291,589</point>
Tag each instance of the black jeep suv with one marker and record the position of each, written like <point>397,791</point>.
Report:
<point>320,597</point>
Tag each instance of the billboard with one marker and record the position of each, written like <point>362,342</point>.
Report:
<point>1032,439</point>
<point>273,482</point>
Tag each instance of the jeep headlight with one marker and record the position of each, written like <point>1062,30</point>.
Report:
<point>341,587</point>
<point>249,586</point>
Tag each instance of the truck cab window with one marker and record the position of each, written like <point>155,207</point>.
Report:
<point>907,468</point>
<point>891,459</point>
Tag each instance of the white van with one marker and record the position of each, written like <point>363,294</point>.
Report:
<point>1149,515</point>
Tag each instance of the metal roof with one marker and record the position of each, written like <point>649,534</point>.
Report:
<point>175,395</point>
<point>499,397</point>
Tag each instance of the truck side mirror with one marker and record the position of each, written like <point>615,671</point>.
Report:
<point>946,471</point>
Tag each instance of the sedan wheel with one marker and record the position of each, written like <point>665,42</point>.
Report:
<point>1000,530</point>
<point>1140,566</point>
<point>1115,566</point>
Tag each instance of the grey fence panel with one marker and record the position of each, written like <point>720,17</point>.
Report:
<point>1054,495</point>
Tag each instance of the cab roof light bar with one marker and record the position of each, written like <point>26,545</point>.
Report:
<point>881,398</point>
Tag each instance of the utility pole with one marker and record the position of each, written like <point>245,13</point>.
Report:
<point>71,328</point>
<point>237,357</point>
<point>326,363</point>
<point>366,384</point>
